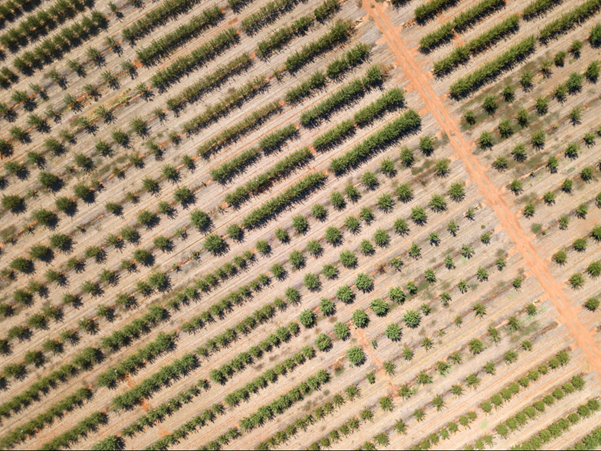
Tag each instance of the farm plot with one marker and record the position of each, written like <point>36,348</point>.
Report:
<point>277,224</point>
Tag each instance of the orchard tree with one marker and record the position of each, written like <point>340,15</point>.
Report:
<point>356,355</point>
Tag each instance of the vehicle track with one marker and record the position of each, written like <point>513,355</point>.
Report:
<point>435,105</point>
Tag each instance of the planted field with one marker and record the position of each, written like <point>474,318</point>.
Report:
<point>280,225</point>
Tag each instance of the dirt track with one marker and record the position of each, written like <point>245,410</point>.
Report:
<point>434,104</point>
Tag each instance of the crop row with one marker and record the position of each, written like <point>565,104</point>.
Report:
<point>390,100</point>
<point>338,34</point>
<point>265,413</point>
<point>12,9</point>
<point>559,427</point>
<point>349,394</point>
<point>41,23</point>
<point>265,15</point>
<point>42,420</point>
<point>212,112</point>
<point>276,40</point>
<point>52,48</point>
<point>165,45</point>
<point>463,53</point>
<point>408,123</point>
<point>273,141</point>
<point>538,7</point>
<point>184,64</point>
<point>346,94</point>
<point>569,20</point>
<point>498,399</point>
<point>166,11</point>
<point>431,9</point>
<point>233,132</point>
<point>262,182</point>
<point>294,194</point>
<point>529,413</point>
<point>489,71</point>
<point>459,24</point>
<point>210,81</point>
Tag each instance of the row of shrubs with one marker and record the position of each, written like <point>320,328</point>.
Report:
<point>53,48</point>
<point>252,321</point>
<point>235,166</point>
<point>569,20</point>
<point>82,429</point>
<point>196,422</point>
<point>184,64</point>
<point>519,420</point>
<point>83,360</point>
<point>350,59</point>
<point>346,94</point>
<point>284,402</point>
<point>427,11</point>
<point>233,132</point>
<point>338,34</point>
<point>87,358</point>
<point>41,23</point>
<point>158,380</point>
<point>212,112</point>
<point>264,413</point>
<point>165,45</point>
<point>130,332</point>
<point>559,427</point>
<point>391,99</point>
<point>276,40</point>
<point>335,70</point>
<point>166,11</point>
<point>218,309</point>
<point>350,393</point>
<point>157,414</point>
<point>489,71</point>
<point>459,24</point>
<point>274,140</point>
<point>463,53</point>
<point>13,9</point>
<point>57,411</point>
<point>265,15</point>
<point>210,81</point>
<point>262,182</point>
<point>269,376</point>
<point>273,207</point>
<point>163,343</point>
<point>538,7</point>
<point>408,123</point>
<point>470,416</point>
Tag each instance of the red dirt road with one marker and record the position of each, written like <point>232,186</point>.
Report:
<point>435,105</point>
